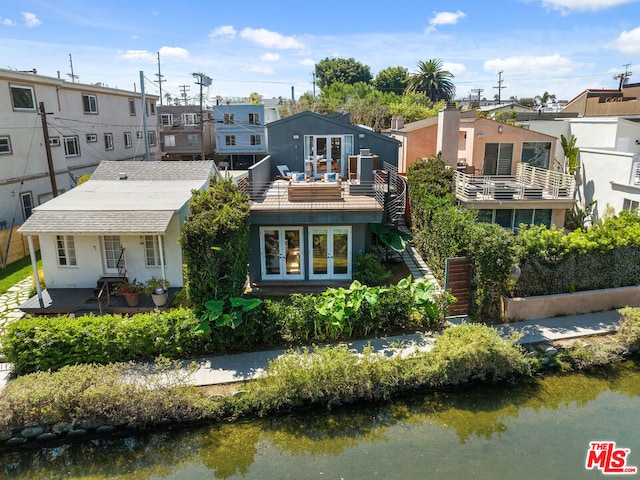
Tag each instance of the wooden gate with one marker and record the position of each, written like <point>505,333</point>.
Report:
<point>457,279</point>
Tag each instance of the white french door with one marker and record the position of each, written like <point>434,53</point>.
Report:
<point>330,253</point>
<point>111,253</point>
<point>281,253</point>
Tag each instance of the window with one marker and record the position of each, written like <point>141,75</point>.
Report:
<point>536,154</point>
<point>66,251</point>
<point>152,138</point>
<point>132,106</point>
<point>127,140</point>
<point>166,119</point>
<point>27,204</point>
<point>5,146</point>
<point>497,159</point>
<point>193,140</point>
<point>23,98</point>
<point>190,119</point>
<point>71,147</point>
<point>89,103</point>
<point>169,140</point>
<point>92,138</point>
<point>629,205</point>
<point>254,118</point>
<point>139,134</point>
<point>229,119</point>
<point>54,141</point>
<point>108,141</point>
<point>151,108</point>
<point>153,252</point>
<point>230,140</point>
<point>256,140</point>
<point>635,174</point>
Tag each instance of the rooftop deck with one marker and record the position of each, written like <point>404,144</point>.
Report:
<point>529,184</point>
<point>352,197</point>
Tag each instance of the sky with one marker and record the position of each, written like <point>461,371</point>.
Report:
<point>270,47</point>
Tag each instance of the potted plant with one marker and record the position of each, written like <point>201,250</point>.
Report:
<point>131,291</point>
<point>158,288</point>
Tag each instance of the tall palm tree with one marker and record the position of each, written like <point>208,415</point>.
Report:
<point>430,79</point>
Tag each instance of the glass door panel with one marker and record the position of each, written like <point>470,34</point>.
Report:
<point>271,256</point>
<point>112,250</point>
<point>293,259</point>
<point>340,252</point>
<point>319,248</point>
<point>335,165</point>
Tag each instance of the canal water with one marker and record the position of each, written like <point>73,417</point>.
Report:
<point>533,430</point>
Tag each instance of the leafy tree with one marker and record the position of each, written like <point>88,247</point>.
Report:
<point>528,102</point>
<point>546,96</point>
<point>215,243</point>
<point>432,80</point>
<point>345,70</point>
<point>392,79</point>
<point>415,106</point>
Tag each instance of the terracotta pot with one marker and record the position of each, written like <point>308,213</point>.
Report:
<point>133,300</point>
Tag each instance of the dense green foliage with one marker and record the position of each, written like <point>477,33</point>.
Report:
<point>392,79</point>
<point>629,328</point>
<point>215,243</point>
<point>344,70</point>
<point>370,269</point>
<point>607,255</point>
<point>44,343</point>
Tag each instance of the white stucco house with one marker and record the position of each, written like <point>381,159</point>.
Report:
<point>123,222</point>
<point>609,159</point>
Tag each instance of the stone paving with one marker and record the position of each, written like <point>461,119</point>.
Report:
<point>12,299</point>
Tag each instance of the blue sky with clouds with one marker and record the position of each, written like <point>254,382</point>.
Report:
<point>559,46</point>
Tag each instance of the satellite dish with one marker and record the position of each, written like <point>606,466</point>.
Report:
<point>538,100</point>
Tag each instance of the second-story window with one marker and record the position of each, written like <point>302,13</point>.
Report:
<point>229,119</point>
<point>166,119</point>
<point>230,140</point>
<point>127,140</point>
<point>23,98</point>
<point>190,119</point>
<point>89,103</point>
<point>132,106</point>
<point>256,140</point>
<point>108,141</point>
<point>71,147</point>
<point>254,118</point>
<point>5,146</point>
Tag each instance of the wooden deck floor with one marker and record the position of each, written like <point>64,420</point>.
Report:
<point>61,301</point>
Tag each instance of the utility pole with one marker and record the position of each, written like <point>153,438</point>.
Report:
<point>478,91</point>
<point>160,80</point>
<point>45,129</point>
<point>73,77</point>
<point>203,81</point>
<point>623,77</point>
<point>144,118</point>
<point>499,86</point>
<point>184,89</point>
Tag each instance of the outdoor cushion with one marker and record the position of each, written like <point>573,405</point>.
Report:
<point>298,177</point>
<point>331,177</point>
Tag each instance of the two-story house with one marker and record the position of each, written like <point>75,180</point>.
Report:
<point>185,134</point>
<point>314,197</point>
<point>504,171</point>
<point>240,134</point>
<point>53,131</point>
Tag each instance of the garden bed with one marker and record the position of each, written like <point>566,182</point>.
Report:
<point>547,306</point>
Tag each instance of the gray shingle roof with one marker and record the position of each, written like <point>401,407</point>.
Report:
<point>154,170</point>
<point>97,222</point>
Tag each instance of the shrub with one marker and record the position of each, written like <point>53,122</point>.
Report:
<point>370,269</point>
<point>629,328</point>
<point>472,352</point>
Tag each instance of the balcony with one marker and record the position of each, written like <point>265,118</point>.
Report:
<point>529,184</point>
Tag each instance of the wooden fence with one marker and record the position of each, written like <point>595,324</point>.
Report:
<point>17,249</point>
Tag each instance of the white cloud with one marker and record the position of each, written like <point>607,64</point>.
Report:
<point>457,69</point>
<point>7,22</point>
<point>264,69</point>
<point>175,52</point>
<point>627,42</point>
<point>270,57</point>
<point>225,31</point>
<point>444,18</point>
<point>269,39</point>
<point>30,19</point>
<point>308,62</point>
<point>565,6</point>
<point>550,65</point>
<point>144,55</point>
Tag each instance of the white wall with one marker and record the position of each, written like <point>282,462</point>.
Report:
<point>90,263</point>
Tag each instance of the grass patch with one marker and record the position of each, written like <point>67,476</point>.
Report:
<point>16,272</point>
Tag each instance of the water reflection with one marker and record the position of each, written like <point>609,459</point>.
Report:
<point>252,449</point>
